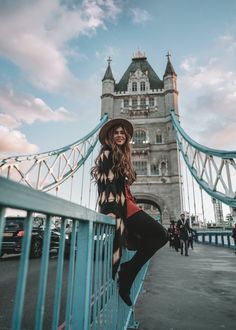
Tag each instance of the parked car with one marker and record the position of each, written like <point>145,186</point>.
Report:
<point>14,233</point>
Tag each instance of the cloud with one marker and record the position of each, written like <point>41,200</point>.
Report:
<point>208,98</point>
<point>140,16</point>
<point>34,36</point>
<point>17,109</point>
<point>13,141</point>
<point>8,121</point>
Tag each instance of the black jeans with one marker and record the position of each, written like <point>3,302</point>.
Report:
<point>184,246</point>
<point>153,237</point>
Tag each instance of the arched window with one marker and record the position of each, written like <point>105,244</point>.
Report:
<point>134,86</point>
<point>139,137</point>
<point>142,86</point>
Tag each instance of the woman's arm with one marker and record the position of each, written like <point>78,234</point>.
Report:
<point>107,185</point>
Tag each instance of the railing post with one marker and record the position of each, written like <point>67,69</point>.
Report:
<point>2,225</point>
<point>43,275</point>
<point>23,270</point>
<point>228,240</point>
<point>132,323</point>
<point>81,309</point>
<point>222,239</point>
<point>59,277</point>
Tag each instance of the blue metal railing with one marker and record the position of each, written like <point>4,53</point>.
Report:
<point>216,237</point>
<point>91,299</point>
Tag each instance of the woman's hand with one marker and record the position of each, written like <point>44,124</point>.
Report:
<point>112,215</point>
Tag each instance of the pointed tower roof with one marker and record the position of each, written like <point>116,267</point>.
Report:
<point>108,74</point>
<point>139,61</point>
<point>169,67</point>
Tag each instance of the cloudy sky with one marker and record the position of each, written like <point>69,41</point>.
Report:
<point>53,56</point>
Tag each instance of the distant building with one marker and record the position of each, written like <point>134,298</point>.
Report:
<point>143,98</point>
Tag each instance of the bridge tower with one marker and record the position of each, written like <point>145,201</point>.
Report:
<point>143,98</point>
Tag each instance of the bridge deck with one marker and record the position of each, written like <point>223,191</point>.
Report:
<point>189,293</point>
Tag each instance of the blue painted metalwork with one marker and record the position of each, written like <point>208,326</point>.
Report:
<point>203,162</point>
<point>54,167</point>
<point>21,283</point>
<point>43,276</point>
<point>2,225</point>
<point>221,238</point>
<point>60,261</point>
<point>71,275</point>
<point>92,300</point>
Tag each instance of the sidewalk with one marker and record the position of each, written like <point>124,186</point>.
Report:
<point>189,293</point>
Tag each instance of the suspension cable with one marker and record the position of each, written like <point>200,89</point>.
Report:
<point>194,200</point>
<point>90,181</point>
<point>188,198</point>
<point>82,186</point>
<point>203,211</point>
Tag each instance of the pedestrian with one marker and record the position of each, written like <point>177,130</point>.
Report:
<point>171,235</point>
<point>191,237</point>
<point>114,174</point>
<point>176,238</point>
<point>234,236</point>
<point>184,229</point>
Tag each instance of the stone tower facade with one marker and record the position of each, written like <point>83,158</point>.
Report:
<point>144,99</point>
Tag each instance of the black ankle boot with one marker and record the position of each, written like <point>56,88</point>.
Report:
<point>124,286</point>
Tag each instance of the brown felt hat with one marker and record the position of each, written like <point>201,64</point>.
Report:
<point>114,122</point>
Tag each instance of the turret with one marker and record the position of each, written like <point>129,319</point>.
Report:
<point>108,87</point>
<point>170,86</point>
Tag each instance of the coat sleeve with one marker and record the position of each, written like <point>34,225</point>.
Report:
<point>107,185</point>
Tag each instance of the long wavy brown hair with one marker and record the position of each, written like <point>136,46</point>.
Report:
<point>121,156</point>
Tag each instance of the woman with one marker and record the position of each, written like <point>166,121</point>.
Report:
<point>114,173</point>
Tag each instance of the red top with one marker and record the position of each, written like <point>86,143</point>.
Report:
<point>132,207</point>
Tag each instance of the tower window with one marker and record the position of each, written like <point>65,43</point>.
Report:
<point>159,138</point>
<point>140,167</point>
<point>134,86</point>
<point>151,101</point>
<point>134,102</point>
<point>126,103</point>
<point>139,137</point>
<point>142,102</point>
<point>155,169</point>
<point>142,86</point>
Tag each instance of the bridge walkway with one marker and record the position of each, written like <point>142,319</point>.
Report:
<point>189,293</point>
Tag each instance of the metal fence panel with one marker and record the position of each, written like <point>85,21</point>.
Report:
<point>91,300</point>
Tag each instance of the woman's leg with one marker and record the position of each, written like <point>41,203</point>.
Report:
<point>153,237</point>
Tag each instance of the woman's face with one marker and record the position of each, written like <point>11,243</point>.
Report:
<point>119,136</point>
